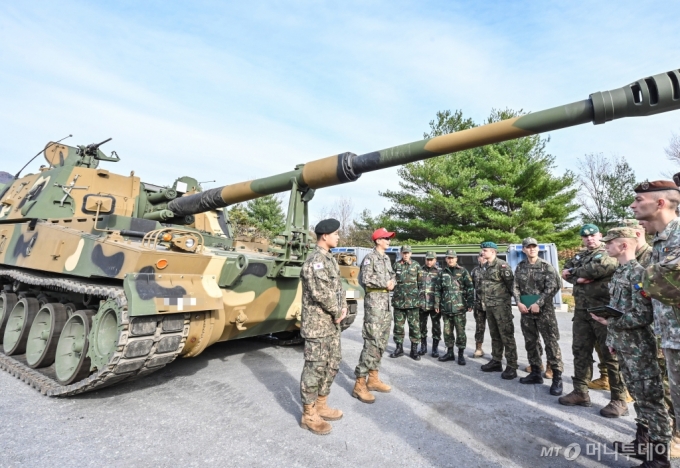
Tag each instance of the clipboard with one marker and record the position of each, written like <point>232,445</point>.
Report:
<point>529,300</point>
<point>606,312</point>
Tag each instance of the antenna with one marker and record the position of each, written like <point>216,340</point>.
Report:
<point>41,151</point>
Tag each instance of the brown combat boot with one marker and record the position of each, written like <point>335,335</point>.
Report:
<point>575,398</point>
<point>328,414</point>
<point>548,372</point>
<point>375,385</point>
<point>615,409</point>
<point>479,352</point>
<point>360,391</point>
<point>313,422</point>
<point>600,384</point>
<point>675,446</point>
<point>528,368</point>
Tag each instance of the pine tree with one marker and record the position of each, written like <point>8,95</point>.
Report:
<point>266,215</point>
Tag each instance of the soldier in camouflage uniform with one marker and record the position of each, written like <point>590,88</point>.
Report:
<point>632,338</point>
<point>406,302</point>
<point>536,283</point>
<point>496,294</point>
<point>427,290</point>
<point>378,279</point>
<point>453,298</point>
<point>479,312</point>
<point>323,308</point>
<point>656,205</point>
<point>590,271</point>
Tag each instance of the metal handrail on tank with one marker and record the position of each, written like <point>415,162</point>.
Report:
<point>152,239</point>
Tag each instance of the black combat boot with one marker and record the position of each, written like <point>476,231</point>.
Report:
<point>449,356</point>
<point>659,456</point>
<point>399,351</point>
<point>638,447</point>
<point>461,358</point>
<point>556,386</point>
<point>415,355</point>
<point>533,378</point>
<point>435,351</point>
<point>509,373</point>
<point>492,366</point>
<point>423,347</point>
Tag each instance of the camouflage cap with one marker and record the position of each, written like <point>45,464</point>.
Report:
<point>529,241</point>
<point>430,255</point>
<point>451,253</point>
<point>620,233</point>
<point>405,249</point>
<point>588,230</point>
<point>631,223</point>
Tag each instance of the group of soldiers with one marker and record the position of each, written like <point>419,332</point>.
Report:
<point>637,337</point>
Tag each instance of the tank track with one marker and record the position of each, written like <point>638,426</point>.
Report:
<point>137,353</point>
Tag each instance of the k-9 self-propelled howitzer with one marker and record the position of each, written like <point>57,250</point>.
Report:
<point>106,278</point>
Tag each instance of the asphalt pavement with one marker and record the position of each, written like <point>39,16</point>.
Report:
<point>238,404</point>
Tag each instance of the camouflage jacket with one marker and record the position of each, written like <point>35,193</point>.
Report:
<point>594,265</point>
<point>666,247</point>
<point>496,283</point>
<point>477,282</point>
<point>644,255</point>
<point>376,271</point>
<point>455,291</point>
<point>322,295</point>
<point>539,279</point>
<point>406,294</point>
<point>430,283</point>
<point>631,335</point>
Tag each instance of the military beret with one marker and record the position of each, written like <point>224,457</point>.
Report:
<point>451,253</point>
<point>489,245</point>
<point>620,233</point>
<point>655,186</point>
<point>405,249</point>
<point>327,226</point>
<point>589,229</point>
<point>430,255</point>
<point>529,241</point>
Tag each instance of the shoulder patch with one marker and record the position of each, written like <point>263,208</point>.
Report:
<point>597,256</point>
<point>507,273</point>
<point>503,265</point>
<point>318,266</point>
<point>367,262</point>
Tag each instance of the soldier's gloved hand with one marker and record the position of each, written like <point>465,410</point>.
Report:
<point>342,317</point>
<point>534,308</point>
<point>522,308</point>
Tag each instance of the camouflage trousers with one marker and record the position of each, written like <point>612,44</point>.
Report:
<point>480,324</point>
<point>649,405</point>
<point>376,332</point>
<point>666,384</point>
<point>502,332</point>
<point>542,324</point>
<point>436,324</point>
<point>322,361</point>
<point>455,323</point>
<point>400,318</point>
<point>601,364</point>
<point>586,334</point>
<point>673,374</point>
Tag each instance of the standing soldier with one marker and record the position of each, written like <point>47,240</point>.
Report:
<point>453,298</point>
<point>590,272</point>
<point>643,251</point>
<point>427,291</point>
<point>536,283</point>
<point>405,300</point>
<point>479,312</point>
<point>378,279</point>
<point>632,338</point>
<point>496,295</point>
<point>323,308</point>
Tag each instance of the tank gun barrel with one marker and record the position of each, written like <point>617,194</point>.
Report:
<point>645,97</point>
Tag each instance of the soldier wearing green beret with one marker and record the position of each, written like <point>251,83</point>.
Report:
<point>590,272</point>
<point>406,303</point>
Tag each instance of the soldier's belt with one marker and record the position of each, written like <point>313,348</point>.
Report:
<point>369,290</point>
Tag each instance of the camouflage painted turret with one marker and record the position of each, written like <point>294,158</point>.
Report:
<point>107,278</point>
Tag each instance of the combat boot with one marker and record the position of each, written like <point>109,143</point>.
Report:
<point>313,422</point>
<point>509,373</point>
<point>575,398</point>
<point>492,366</point>
<point>435,350</point>
<point>615,409</point>
<point>326,413</point>
<point>659,458</point>
<point>461,358</point>
<point>479,352</point>
<point>527,369</point>
<point>374,383</point>
<point>423,347</point>
<point>600,384</point>
<point>638,447</point>
<point>675,446</point>
<point>449,356</point>
<point>415,355</point>
<point>398,352</point>
<point>534,377</point>
<point>548,374</point>
<point>361,392</point>
<point>556,385</point>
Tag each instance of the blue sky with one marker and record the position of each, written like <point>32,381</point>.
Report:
<point>236,90</point>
